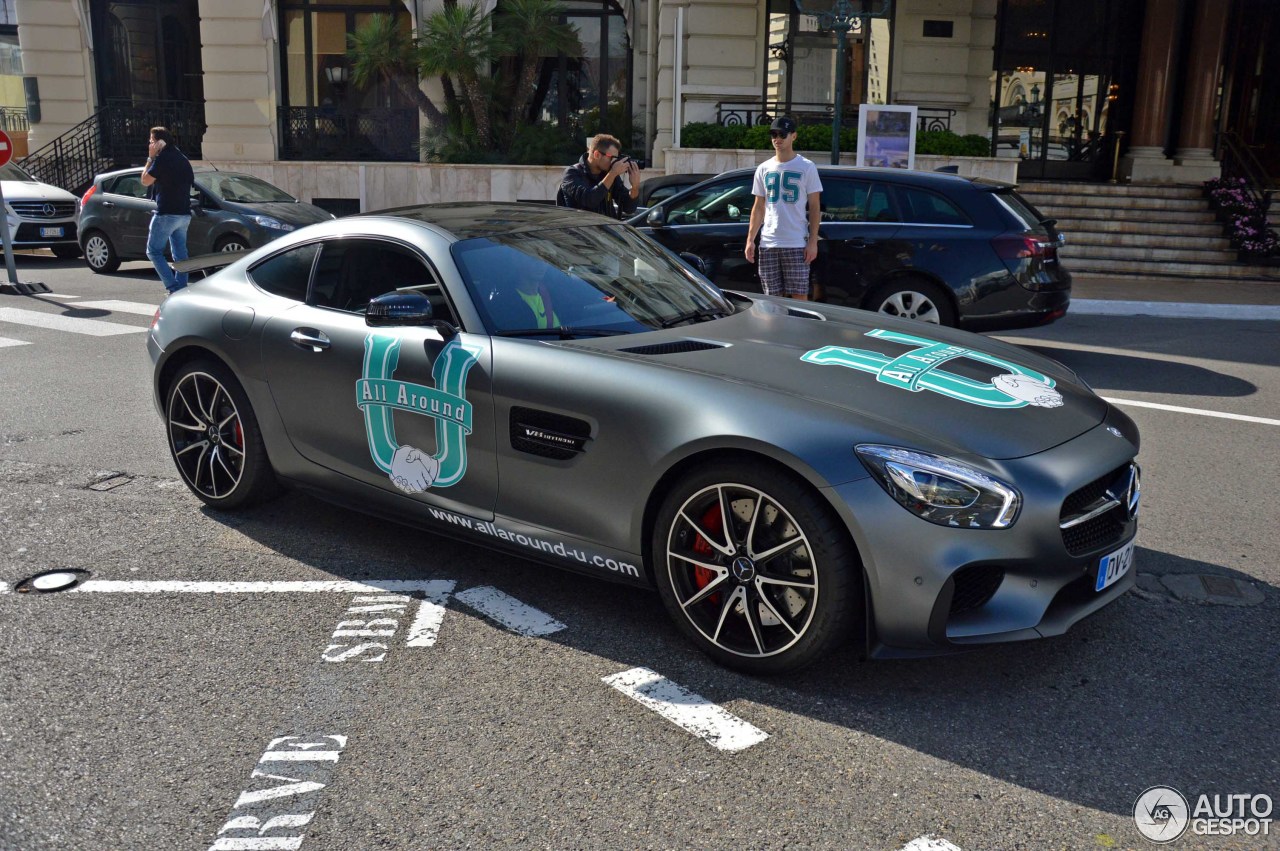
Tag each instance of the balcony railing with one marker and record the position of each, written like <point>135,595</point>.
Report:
<point>126,125</point>
<point>326,133</point>
<point>13,119</point>
<point>763,112</point>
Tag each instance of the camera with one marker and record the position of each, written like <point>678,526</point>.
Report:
<point>623,158</point>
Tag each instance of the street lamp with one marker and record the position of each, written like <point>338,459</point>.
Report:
<point>840,17</point>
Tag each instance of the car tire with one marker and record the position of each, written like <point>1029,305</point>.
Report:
<point>214,437</point>
<point>780,589</point>
<point>231,243</point>
<point>65,252</point>
<point>912,298</point>
<point>99,253</point>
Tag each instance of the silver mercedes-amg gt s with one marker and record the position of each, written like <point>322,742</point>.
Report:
<point>552,383</point>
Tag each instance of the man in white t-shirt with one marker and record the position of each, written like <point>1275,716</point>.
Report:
<point>786,187</point>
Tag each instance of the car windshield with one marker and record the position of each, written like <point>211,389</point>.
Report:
<point>9,171</point>
<point>581,282</point>
<point>241,189</point>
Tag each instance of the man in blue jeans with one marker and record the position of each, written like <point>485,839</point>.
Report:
<point>170,171</point>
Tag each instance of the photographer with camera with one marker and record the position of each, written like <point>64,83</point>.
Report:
<point>593,182</point>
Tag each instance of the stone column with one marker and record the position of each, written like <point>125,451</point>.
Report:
<point>240,81</point>
<point>1145,161</point>
<point>1195,135</point>
<point>55,52</point>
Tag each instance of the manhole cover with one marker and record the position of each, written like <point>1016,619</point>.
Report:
<point>1212,589</point>
<point>1220,586</point>
<point>51,581</point>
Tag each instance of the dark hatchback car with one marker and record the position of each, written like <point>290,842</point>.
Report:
<point>936,247</point>
<point>229,212</point>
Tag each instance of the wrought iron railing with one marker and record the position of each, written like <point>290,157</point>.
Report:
<point>326,133</point>
<point>1238,162</point>
<point>112,137</point>
<point>13,119</point>
<point>72,159</point>
<point>127,125</point>
<point>752,112</point>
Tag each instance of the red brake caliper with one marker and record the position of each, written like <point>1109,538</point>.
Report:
<point>713,523</point>
<point>239,436</point>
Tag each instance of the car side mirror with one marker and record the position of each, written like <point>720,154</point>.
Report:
<point>405,310</point>
<point>657,217</point>
<point>695,262</point>
<point>197,209</point>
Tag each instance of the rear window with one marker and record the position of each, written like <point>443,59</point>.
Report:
<point>921,207</point>
<point>1028,216</point>
<point>287,274</point>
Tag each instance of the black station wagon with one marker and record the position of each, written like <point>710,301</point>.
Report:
<point>940,248</point>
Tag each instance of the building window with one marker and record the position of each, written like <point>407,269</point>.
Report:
<point>590,94</point>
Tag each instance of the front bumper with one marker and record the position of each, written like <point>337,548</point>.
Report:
<point>28,233</point>
<point>934,590</point>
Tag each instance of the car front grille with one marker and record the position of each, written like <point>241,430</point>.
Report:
<point>29,232</point>
<point>44,209</point>
<point>1096,515</point>
<point>973,586</point>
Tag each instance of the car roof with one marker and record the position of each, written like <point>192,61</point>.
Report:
<point>471,219</point>
<point>899,175</point>
<point>198,169</point>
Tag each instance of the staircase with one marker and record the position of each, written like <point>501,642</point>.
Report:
<point>1118,230</point>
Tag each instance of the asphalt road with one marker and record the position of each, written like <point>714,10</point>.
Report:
<point>156,720</point>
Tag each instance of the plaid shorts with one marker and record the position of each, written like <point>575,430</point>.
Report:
<point>777,265</point>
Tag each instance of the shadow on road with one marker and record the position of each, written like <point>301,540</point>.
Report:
<point>1109,372</point>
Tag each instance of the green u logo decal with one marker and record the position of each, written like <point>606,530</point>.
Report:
<point>379,396</point>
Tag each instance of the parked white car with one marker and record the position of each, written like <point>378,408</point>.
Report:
<point>39,215</point>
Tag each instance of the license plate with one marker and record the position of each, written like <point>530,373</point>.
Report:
<point>50,232</point>
<point>1114,566</point>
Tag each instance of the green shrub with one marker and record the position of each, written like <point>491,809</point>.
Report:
<point>817,137</point>
<point>543,144</point>
<point>948,144</point>
<point>702,134</point>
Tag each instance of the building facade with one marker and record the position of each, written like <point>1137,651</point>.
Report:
<point>1063,86</point>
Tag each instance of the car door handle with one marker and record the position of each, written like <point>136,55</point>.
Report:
<point>108,203</point>
<point>309,338</point>
<point>856,242</point>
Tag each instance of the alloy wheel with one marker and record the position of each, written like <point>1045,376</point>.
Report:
<point>741,569</point>
<point>909,304</point>
<point>206,434</point>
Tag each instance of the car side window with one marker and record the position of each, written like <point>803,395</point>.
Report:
<point>726,202</point>
<point>130,185</point>
<point>287,274</point>
<point>845,200</point>
<point>921,207</point>
<point>350,272</point>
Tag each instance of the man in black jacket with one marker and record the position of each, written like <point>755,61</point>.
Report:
<point>594,182</point>
<point>169,170</point>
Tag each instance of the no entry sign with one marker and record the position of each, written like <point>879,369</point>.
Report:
<point>6,148</point>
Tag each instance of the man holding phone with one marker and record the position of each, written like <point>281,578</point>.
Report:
<point>169,170</point>
<point>594,181</point>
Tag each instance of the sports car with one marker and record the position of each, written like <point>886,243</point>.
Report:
<point>788,476</point>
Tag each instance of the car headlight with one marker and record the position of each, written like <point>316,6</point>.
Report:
<point>273,223</point>
<point>941,490</point>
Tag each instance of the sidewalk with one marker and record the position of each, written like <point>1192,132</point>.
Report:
<point>1183,290</point>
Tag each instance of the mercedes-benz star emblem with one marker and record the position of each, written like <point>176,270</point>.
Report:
<point>48,210</point>
<point>744,570</point>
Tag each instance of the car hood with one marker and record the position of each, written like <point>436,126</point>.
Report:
<point>963,391</point>
<point>30,190</point>
<point>290,212</point>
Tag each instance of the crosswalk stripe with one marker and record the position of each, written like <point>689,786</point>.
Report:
<point>59,295</point>
<point>90,327</point>
<point>691,712</point>
<point>5,341</point>
<point>139,307</point>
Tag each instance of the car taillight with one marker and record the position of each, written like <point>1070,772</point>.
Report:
<point>155,320</point>
<point>85,199</point>
<point>1019,247</point>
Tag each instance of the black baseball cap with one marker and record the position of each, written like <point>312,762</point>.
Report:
<point>783,123</point>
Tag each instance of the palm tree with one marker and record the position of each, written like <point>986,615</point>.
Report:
<point>528,31</point>
<point>458,41</point>
<point>381,50</point>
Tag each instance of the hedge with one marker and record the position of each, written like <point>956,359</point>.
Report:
<point>817,137</point>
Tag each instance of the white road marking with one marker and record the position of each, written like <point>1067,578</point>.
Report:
<point>139,307</point>
<point>699,716</point>
<point>929,842</point>
<point>426,624</point>
<point>89,327</point>
<point>394,586</point>
<point>5,341</point>
<point>1174,309</point>
<point>1198,411</point>
<point>4,588</point>
<point>509,611</point>
<point>56,295</point>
